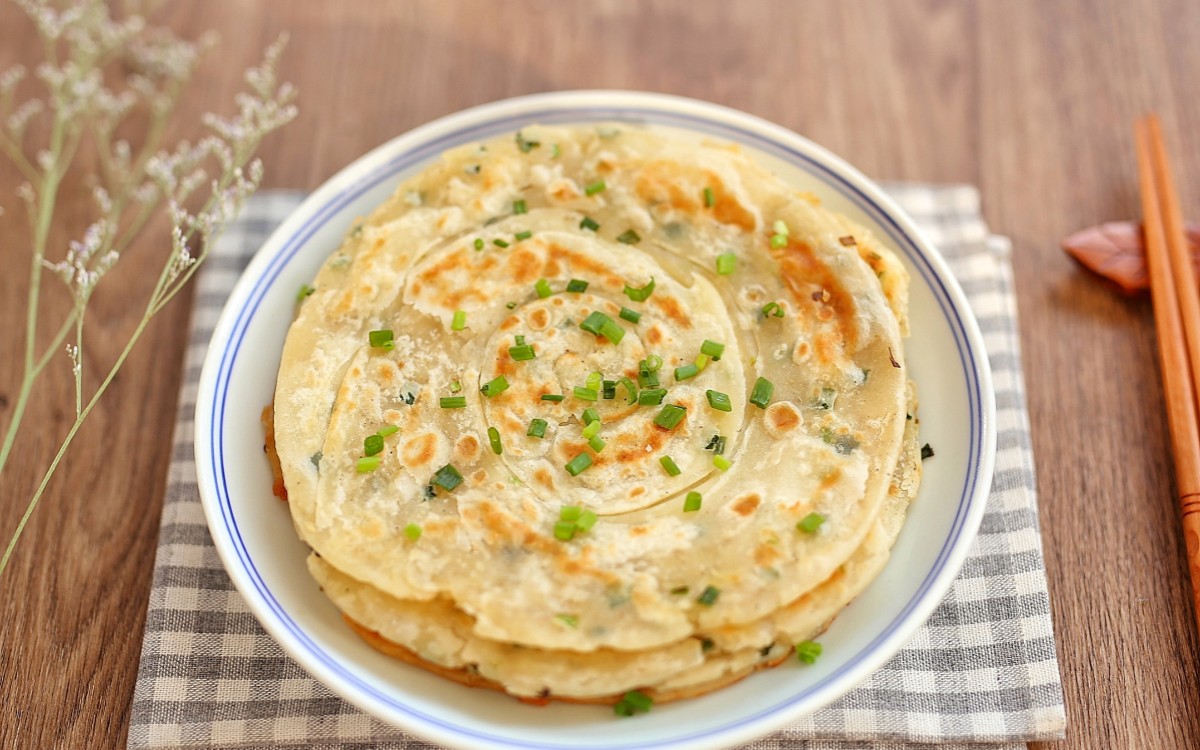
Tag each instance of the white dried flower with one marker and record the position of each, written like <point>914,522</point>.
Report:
<point>98,71</point>
<point>20,118</point>
<point>10,78</point>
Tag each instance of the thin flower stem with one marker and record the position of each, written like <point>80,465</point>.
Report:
<point>10,434</point>
<point>66,443</point>
<point>77,358</point>
<point>47,197</point>
<point>14,152</point>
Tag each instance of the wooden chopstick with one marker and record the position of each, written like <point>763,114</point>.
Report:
<point>1177,317</point>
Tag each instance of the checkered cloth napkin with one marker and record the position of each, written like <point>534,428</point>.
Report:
<point>980,675</point>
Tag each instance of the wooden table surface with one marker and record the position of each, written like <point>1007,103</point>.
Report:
<point>1031,100</point>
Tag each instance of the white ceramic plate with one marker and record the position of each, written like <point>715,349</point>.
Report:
<point>253,531</point>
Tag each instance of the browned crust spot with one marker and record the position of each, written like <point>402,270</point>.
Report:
<point>682,188</point>
<point>419,451</point>
<point>803,273</point>
<point>782,416</point>
<point>746,505</point>
<point>670,307</point>
<point>268,424</point>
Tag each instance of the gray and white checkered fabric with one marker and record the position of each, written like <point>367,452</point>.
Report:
<point>981,675</point>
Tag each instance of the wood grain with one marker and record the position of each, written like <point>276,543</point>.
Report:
<point>1031,100</point>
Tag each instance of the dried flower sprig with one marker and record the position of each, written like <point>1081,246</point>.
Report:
<point>200,186</point>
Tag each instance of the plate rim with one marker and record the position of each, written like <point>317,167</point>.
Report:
<point>657,108</point>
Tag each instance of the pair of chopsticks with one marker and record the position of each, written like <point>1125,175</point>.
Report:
<point>1177,317</point>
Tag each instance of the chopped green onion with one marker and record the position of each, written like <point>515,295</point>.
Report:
<point>709,596</point>
<point>647,378</point>
<point>726,262</point>
<point>827,399</point>
<point>718,400</point>
<point>687,371</point>
<point>772,308</point>
<point>537,428</point>
<point>577,286</point>
<point>609,391</point>
<point>651,363</point>
<point>710,199</point>
<point>590,430</point>
<point>808,651</point>
<point>701,362</point>
<point>455,387</point>
<point>780,227</point>
<point>460,320</point>
<point>588,223</point>
<point>716,444</point>
<point>628,237</point>
<point>692,502</point>
<point>586,394</point>
<point>571,621</point>
<point>564,530</point>
<point>556,397</point>
<point>578,464</point>
<point>611,331</point>
<point>722,463</point>
<point>712,349</point>
<point>497,385</point>
<point>381,339</point>
<point>522,352</point>
<point>596,187</point>
<point>670,466</point>
<point>590,415</point>
<point>630,388</point>
<point>594,381</point>
<point>387,429</point>
<point>499,242</point>
<point>373,445</point>
<point>518,339</point>
<point>478,243</point>
<point>843,443</point>
<point>555,151</point>
<point>652,396</point>
<point>367,464</point>
<point>779,240</point>
<point>413,532</point>
<point>640,294</point>
<point>670,416</point>
<point>522,235</point>
<point>524,145</point>
<point>587,519</point>
<point>570,513</point>
<point>453,402</point>
<point>810,523</point>
<point>519,207</point>
<point>305,291</point>
<point>760,396</point>
<point>634,702</point>
<point>510,305</point>
<point>596,443</point>
<point>447,477</point>
<point>542,287</point>
<point>594,321</point>
<point>633,316</point>
<point>494,439</point>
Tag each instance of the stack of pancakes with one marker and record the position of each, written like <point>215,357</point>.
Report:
<point>739,345</point>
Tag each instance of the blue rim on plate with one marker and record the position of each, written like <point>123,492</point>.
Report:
<point>425,144</point>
